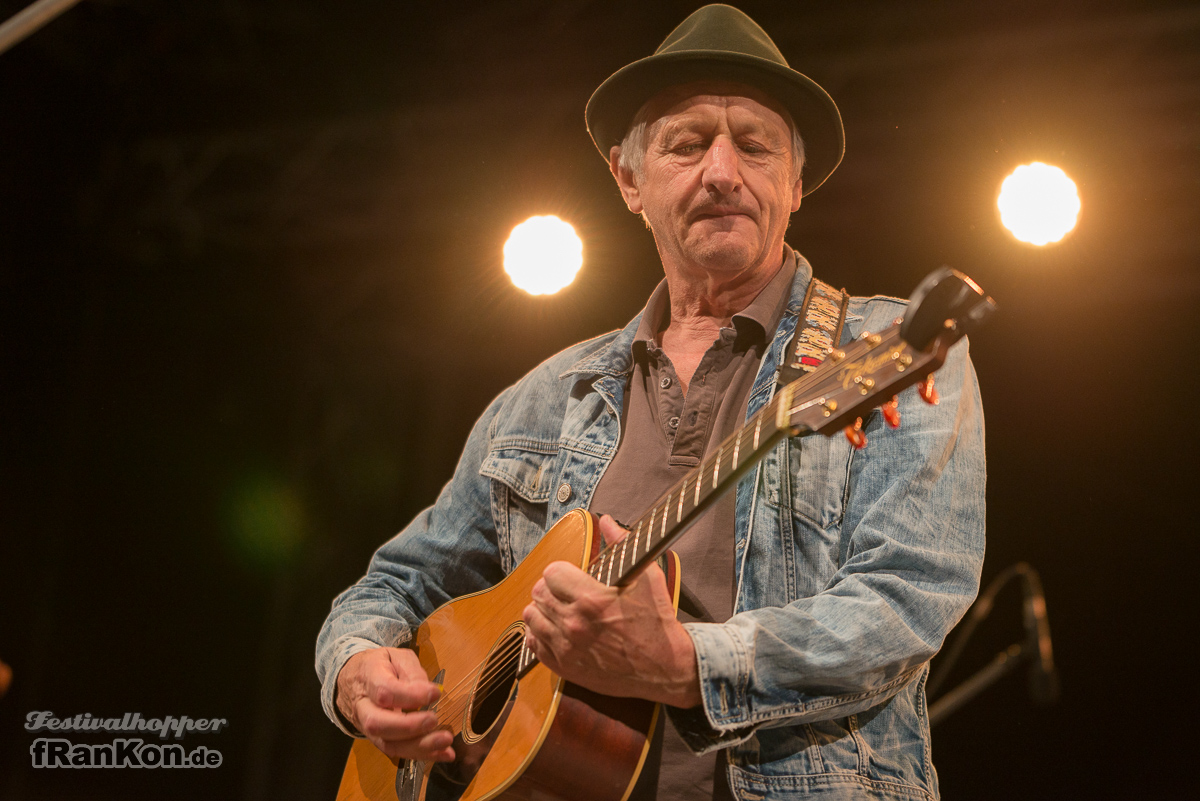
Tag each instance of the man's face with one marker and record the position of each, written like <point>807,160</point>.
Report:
<point>716,185</point>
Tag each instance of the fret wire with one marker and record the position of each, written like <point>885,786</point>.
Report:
<point>737,444</point>
<point>716,470</point>
<point>637,537</point>
<point>679,514</point>
<point>624,547</point>
<point>757,428</point>
<point>662,532</point>
<point>698,482</point>
<point>608,578</point>
<point>650,531</point>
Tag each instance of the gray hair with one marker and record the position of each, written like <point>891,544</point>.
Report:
<point>634,145</point>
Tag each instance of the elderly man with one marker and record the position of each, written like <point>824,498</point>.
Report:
<point>815,594</point>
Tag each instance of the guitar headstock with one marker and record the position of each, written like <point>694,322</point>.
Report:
<point>875,367</point>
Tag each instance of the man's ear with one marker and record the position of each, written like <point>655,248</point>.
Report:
<point>626,180</point>
<point>797,194</point>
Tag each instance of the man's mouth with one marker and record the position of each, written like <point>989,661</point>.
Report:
<point>708,214</point>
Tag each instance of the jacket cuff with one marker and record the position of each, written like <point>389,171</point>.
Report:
<point>723,717</point>
<point>346,649</point>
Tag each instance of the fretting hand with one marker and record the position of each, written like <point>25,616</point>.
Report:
<point>617,641</point>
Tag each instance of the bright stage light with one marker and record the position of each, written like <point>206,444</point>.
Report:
<point>1038,203</point>
<point>542,255</point>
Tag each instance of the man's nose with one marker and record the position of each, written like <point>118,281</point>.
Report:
<point>721,173</point>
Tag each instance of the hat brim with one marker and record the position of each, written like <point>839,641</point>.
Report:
<point>614,104</point>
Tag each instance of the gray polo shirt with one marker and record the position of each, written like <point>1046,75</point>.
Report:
<point>666,434</point>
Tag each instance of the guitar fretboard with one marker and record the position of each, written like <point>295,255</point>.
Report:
<point>675,511</point>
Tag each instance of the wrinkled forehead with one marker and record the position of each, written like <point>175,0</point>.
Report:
<point>692,99</point>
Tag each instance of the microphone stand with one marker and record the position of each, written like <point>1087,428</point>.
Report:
<point>1036,649</point>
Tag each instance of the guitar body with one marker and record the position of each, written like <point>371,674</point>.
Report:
<point>535,737</point>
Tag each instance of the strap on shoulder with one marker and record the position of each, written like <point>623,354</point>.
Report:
<point>821,320</point>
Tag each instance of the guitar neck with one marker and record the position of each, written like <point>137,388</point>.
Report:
<point>847,384</point>
<point>675,511</point>
<point>842,387</point>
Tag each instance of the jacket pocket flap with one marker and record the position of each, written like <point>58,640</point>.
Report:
<point>526,472</point>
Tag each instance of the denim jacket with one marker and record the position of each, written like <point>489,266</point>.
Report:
<point>852,566</point>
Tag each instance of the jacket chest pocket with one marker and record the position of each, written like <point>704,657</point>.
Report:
<point>806,490</point>
<point>816,470</point>
<point>522,485</point>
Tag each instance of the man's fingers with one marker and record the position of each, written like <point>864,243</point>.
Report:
<point>541,629</point>
<point>433,747</point>
<point>611,530</point>
<point>399,681</point>
<point>540,648</point>
<point>388,724</point>
<point>392,693</point>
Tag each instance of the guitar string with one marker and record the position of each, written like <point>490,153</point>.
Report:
<point>502,664</point>
<point>452,701</point>
<point>483,689</point>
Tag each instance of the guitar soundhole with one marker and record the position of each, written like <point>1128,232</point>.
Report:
<point>496,684</point>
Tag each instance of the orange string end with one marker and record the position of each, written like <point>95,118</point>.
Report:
<point>855,435</point>
<point>927,392</point>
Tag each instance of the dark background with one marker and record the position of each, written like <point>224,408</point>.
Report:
<point>251,301</point>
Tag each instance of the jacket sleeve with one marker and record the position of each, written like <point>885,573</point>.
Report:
<point>914,523</point>
<point>449,550</point>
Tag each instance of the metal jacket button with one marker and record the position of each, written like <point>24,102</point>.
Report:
<point>564,493</point>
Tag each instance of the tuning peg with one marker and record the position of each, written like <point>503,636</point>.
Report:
<point>891,412</point>
<point>856,435</point>
<point>927,392</point>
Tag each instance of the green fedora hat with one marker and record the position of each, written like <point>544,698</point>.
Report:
<point>720,42</point>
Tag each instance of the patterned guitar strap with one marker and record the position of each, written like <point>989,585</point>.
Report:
<point>822,318</point>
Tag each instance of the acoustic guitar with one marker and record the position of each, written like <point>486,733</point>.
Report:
<point>520,731</point>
